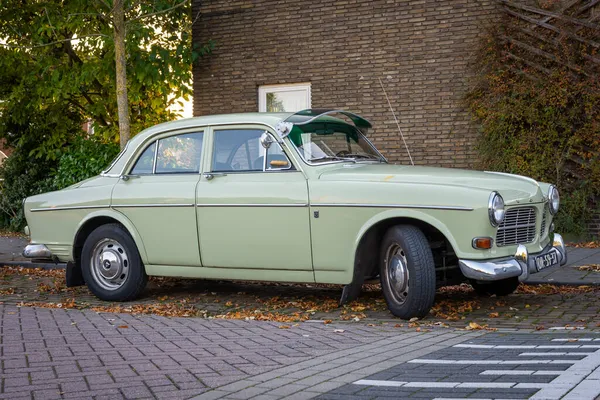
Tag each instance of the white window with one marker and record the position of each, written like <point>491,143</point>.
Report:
<point>282,98</point>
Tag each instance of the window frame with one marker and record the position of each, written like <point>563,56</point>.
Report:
<point>263,90</point>
<point>155,140</point>
<point>216,129</point>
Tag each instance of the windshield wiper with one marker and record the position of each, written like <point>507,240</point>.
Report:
<point>366,156</point>
<point>331,158</point>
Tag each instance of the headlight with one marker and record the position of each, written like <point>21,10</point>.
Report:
<point>496,209</point>
<point>553,199</point>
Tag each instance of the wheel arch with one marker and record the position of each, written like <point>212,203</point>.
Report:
<point>99,218</point>
<point>373,230</point>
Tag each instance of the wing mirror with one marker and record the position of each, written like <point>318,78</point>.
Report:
<point>266,140</point>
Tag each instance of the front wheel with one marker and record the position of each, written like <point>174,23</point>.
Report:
<point>407,272</point>
<point>111,264</point>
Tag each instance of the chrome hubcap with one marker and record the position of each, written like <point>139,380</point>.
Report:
<point>110,264</point>
<point>397,272</point>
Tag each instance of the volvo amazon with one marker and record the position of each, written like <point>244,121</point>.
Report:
<point>302,197</point>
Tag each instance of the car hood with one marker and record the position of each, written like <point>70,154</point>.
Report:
<point>513,188</point>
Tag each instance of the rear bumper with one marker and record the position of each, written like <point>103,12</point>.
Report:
<point>38,252</point>
<point>521,264</point>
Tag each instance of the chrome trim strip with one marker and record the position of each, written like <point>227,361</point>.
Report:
<point>67,208</point>
<point>251,205</point>
<point>152,205</point>
<point>453,208</point>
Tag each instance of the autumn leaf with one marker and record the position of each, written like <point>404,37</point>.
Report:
<point>493,315</point>
<point>284,327</point>
<point>122,327</point>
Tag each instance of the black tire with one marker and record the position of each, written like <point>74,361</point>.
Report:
<point>503,287</point>
<point>407,272</point>
<point>112,243</point>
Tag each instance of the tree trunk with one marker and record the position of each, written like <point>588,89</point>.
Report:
<point>120,61</point>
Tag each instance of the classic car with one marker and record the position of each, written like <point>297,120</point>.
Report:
<point>293,197</point>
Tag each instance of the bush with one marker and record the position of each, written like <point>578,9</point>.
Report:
<point>22,177</point>
<point>541,121</point>
<point>85,158</point>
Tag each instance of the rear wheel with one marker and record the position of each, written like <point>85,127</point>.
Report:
<point>407,272</point>
<point>502,287</point>
<point>111,264</point>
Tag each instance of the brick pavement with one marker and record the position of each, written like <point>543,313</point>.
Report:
<point>73,354</point>
<point>546,365</point>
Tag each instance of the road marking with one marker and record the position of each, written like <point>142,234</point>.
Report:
<point>454,398</point>
<point>449,385</point>
<point>570,353</point>
<point>492,362</point>
<point>513,372</point>
<point>370,382</point>
<point>524,347</point>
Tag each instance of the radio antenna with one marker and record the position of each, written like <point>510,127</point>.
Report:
<point>397,123</point>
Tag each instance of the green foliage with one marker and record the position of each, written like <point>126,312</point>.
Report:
<point>57,70</point>
<point>540,124</point>
<point>62,53</point>
<point>85,158</point>
<point>25,173</point>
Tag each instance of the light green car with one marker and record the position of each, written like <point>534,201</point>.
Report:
<point>302,197</point>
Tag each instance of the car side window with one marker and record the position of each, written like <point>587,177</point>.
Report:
<point>145,164</point>
<point>179,154</point>
<point>239,150</point>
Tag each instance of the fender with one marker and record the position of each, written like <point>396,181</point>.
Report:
<point>352,290</point>
<point>123,220</point>
<point>405,213</point>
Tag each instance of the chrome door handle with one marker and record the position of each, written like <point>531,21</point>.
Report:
<point>210,175</point>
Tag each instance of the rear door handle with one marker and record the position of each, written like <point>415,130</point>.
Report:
<point>210,175</point>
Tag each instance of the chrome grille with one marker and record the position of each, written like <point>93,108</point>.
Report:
<point>543,227</point>
<point>518,227</point>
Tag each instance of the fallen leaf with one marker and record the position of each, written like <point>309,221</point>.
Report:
<point>123,327</point>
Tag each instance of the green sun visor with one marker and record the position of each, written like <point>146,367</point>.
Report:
<point>314,114</point>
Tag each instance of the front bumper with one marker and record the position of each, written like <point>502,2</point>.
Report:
<point>521,264</point>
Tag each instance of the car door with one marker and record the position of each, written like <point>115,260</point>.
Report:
<point>158,196</point>
<point>252,205</point>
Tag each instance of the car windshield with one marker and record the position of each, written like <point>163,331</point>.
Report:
<point>332,141</point>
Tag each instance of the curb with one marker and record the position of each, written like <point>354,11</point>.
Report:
<point>580,283</point>
<point>28,264</point>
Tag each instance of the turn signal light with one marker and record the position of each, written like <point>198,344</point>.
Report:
<point>482,243</point>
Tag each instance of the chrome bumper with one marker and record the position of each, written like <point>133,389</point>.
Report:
<point>37,251</point>
<point>521,265</point>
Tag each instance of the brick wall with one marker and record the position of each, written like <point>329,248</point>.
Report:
<point>420,49</point>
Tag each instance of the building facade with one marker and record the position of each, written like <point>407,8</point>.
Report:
<point>273,55</point>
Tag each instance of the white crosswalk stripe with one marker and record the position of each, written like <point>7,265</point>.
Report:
<point>580,380</point>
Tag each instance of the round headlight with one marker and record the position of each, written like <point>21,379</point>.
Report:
<point>553,199</point>
<point>496,209</point>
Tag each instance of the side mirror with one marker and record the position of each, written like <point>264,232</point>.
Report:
<point>266,140</point>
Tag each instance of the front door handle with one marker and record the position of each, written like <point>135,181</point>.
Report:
<point>210,175</point>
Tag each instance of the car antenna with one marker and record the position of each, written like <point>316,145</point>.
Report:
<point>397,123</point>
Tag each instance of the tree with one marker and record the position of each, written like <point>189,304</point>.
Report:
<point>78,55</point>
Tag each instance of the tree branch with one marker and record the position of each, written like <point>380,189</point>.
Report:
<point>11,46</point>
<point>159,12</point>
